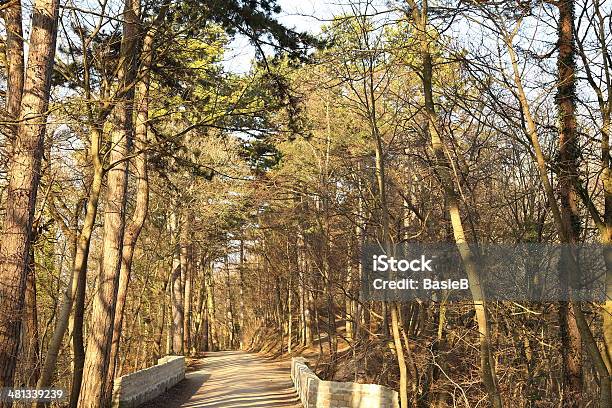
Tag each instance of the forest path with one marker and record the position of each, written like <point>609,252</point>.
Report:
<point>232,379</point>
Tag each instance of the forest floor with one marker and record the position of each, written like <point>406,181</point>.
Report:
<point>232,379</point>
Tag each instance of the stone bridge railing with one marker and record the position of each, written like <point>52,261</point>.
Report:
<point>131,390</point>
<point>316,393</point>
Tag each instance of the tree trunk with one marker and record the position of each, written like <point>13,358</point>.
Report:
<point>30,338</point>
<point>571,345</point>
<point>76,286</point>
<point>185,260</point>
<point>289,316</point>
<point>443,171</point>
<point>178,307</point>
<point>78,343</point>
<point>210,308</point>
<point>606,235</point>
<point>229,306</point>
<point>133,229</point>
<point>168,295</point>
<point>399,350</point>
<point>23,180</point>
<point>15,64</point>
<point>83,245</point>
<point>603,91</point>
<point>162,322</point>
<point>241,311</point>
<point>96,365</point>
<point>564,234</point>
<point>278,314</point>
<point>606,238</point>
<point>188,299</point>
<point>386,235</point>
<point>201,319</point>
<point>349,313</point>
<point>205,330</point>
<point>306,295</point>
<point>308,314</point>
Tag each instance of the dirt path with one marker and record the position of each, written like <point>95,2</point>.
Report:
<point>232,379</point>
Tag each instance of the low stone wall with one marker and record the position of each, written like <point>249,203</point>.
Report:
<point>134,389</point>
<point>316,393</point>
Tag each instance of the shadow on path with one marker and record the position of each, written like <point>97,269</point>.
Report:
<point>232,379</point>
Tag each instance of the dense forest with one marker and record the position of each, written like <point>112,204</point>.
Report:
<point>157,199</point>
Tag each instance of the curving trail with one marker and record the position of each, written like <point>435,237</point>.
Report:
<point>232,379</point>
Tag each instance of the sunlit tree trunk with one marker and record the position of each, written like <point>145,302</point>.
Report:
<point>206,330</point>
<point>178,306</point>
<point>348,301</point>
<point>96,367</point>
<point>229,305</point>
<point>443,171</point>
<point>357,306</point>
<point>186,267</point>
<point>201,318</point>
<point>188,301</point>
<point>23,180</point>
<point>15,65</point>
<point>210,308</point>
<point>168,295</point>
<point>278,314</point>
<point>305,285</point>
<point>386,238</point>
<point>289,316</point>
<point>30,335</point>
<point>241,283</point>
<point>134,227</point>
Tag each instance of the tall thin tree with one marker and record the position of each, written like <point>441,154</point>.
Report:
<point>23,180</point>
<point>96,365</point>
